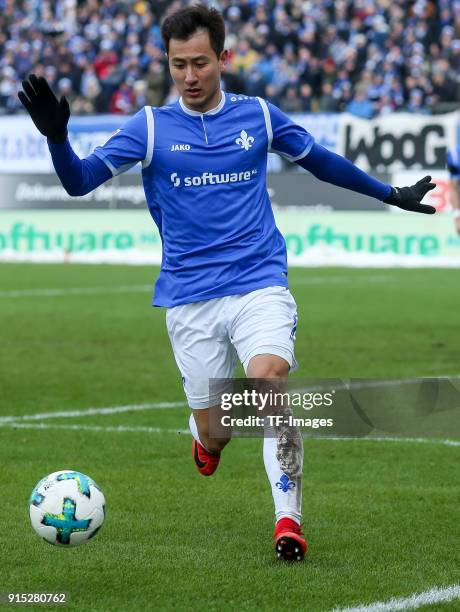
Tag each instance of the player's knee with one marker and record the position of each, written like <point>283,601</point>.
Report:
<point>268,368</point>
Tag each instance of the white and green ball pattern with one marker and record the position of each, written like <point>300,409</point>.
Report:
<point>67,508</point>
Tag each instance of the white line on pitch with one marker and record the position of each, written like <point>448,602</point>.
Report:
<point>417,600</point>
<point>110,428</point>
<point>57,292</point>
<point>143,429</point>
<point>442,441</point>
<point>363,384</point>
<point>68,414</point>
<point>61,291</point>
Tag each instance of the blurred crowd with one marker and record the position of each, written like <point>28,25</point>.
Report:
<point>367,57</point>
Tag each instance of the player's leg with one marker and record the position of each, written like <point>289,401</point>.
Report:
<point>208,436</point>
<point>202,351</point>
<point>283,460</point>
<point>206,448</point>
<point>264,335</point>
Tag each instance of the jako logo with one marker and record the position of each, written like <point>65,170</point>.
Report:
<point>207,178</point>
<point>180,147</point>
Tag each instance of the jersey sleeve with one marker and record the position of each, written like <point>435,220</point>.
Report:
<point>129,145</point>
<point>453,163</point>
<point>286,137</point>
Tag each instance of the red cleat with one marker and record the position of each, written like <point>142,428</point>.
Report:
<point>290,543</point>
<point>205,462</point>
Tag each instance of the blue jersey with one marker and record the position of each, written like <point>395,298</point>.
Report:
<point>204,177</point>
<point>453,163</point>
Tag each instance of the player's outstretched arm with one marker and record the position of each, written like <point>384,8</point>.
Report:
<point>338,170</point>
<point>51,116</point>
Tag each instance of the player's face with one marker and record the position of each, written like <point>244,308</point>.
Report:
<point>195,70</point>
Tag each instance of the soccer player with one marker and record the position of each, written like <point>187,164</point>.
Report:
<point>223,277</point>
<point>453,165</point>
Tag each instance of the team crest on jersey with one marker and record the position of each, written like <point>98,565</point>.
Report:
<point>180,147</point>
<point>245,141</point>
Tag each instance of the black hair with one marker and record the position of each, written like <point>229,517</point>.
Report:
<point>185,22</point>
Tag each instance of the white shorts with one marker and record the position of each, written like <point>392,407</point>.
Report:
<point>208,337</point>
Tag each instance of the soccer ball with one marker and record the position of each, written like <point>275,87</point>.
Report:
<point>67,508</point>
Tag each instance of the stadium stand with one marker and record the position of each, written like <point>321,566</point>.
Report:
<point>368,57</point>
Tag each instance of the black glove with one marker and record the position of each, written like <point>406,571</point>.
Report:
<point>49,114</point>
<point>409,198</point>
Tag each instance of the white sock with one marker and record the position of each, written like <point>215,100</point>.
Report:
<point>194,429</point>
<point>283,459</point>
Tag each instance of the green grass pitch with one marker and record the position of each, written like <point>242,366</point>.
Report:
<point>381,518</point>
